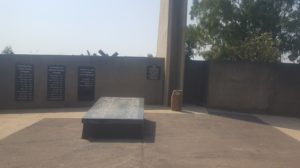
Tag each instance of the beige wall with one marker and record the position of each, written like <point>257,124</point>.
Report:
<point>120,76</point>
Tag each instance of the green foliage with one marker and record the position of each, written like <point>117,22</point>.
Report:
<point>261,48</point>
<point>255,48</point>
<point>7,50</point>
<point>150,55</point>
<point>247,29</point>
<point>191,42</point>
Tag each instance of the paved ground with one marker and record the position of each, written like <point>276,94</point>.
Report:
<point>195,138</point>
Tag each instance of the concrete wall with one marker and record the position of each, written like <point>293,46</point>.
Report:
<point>120,76</point>
<point>248,87</point>
<point>240,86</point>
<point>195,82</point>
<point>286,95</point>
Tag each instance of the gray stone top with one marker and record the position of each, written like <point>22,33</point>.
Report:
<point>119,108</point>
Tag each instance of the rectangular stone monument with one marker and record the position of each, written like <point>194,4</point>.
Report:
<point>114,117</point>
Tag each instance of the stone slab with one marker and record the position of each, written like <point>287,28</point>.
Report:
<point>114,117</point>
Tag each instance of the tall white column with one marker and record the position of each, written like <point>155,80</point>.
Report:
<point>171,43</point>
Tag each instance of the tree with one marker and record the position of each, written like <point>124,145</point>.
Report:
<point>259,48</point>
<point>150,55</point>
<point>255,48</point>
<point>229,27</point>
<point>7,50</point>
<point>191,42</point>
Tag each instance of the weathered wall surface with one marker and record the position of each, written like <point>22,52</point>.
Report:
<point>286,96</point>
<point>195,82</point>
<point>247,87</point>
<point>120,76</point>
<point>240,86</point>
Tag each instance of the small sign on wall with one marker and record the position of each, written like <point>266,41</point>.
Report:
<point>153,72</point>
<point>56,83</point>
<point>24,82</point>
<point>86,83</point>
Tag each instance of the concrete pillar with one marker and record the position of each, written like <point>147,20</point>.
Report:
<point>171,43</point>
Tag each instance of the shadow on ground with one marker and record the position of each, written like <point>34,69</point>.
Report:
<point>155,107</point>
<point>236,116</point>
<point>222,113</point>
<point>148,136</point>
<point>275,121</point>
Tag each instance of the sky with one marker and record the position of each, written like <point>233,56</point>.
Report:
<point>70,27</point>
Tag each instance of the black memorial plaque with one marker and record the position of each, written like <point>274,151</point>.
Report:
<point>56,83</point>
<point>153,72</point>
<point>86,83</point>
<point>24,82</point>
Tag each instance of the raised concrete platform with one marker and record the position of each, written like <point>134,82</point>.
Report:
<point>114,117</point>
